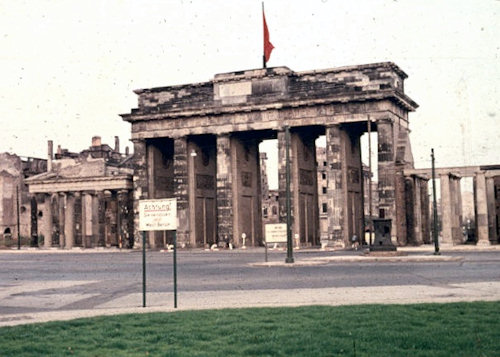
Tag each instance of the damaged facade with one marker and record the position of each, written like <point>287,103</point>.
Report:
<point>84,199</point>
<point>15,202</point>
<point>486,186</point>
<point>199,144</point>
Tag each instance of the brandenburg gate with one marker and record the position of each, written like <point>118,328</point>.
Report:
<point>200,142</point>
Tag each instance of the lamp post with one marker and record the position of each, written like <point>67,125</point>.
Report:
<point>434,209</point>
<point>18,220</point>
<point>370,229</point>
<point>289,242</point>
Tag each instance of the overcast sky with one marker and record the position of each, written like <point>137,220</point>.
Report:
<point>68,68</point>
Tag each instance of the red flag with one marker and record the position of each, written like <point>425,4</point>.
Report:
<point>268,46</point>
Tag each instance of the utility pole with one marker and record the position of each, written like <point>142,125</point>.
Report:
<point>370,178</point>
<point>289,243</point>
<point>434,210</point>
<point>18,220</point>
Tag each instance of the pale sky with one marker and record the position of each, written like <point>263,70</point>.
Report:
<point>68,68</point>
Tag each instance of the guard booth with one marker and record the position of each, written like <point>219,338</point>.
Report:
<point>382,241</point>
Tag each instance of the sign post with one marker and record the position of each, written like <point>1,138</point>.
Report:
<point>158,215</point>
<point>175,269</point>
<point>143,268</point>
<point>275,233</point>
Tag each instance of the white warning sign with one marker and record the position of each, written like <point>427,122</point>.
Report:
<point>158,215</point>
<point>275,233</point>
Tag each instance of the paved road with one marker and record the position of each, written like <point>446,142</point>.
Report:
<point>62,283</point>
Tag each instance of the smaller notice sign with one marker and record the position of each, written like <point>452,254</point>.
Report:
<point>275,233</point>
<point>158,215</point>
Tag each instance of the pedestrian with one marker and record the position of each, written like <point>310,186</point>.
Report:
<point>354,241</point>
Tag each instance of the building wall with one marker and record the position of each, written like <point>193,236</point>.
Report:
<point>13,192</point>
<point>84,199</point>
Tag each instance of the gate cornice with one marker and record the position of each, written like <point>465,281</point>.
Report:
<point>273,89</point>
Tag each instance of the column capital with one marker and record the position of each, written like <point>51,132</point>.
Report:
<point>89,192</point>
<point>332,125</point>
<point>386,120</point>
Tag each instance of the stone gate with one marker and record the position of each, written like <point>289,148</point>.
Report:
<point>200,142</point>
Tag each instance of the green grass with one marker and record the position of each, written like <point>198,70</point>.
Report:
<point>457,329</point>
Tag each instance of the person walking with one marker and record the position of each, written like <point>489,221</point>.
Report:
<point>355,242</point>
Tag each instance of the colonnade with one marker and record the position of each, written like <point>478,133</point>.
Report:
<point>417,210</point>
<point>216,181</point>
<point>484,208</point>
<point>486,180</point>
<point>84,218</point>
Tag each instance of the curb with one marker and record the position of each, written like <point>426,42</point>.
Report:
<point>362,259</point>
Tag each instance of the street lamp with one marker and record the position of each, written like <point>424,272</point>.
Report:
<point>434,210</point>
<point>289,243</point>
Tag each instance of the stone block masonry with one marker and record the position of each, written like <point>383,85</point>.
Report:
<point>241,108</point>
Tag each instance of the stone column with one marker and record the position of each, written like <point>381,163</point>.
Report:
<point>152,154</point>
<point>69,220</point>
<point>109,222</point>
<point>87,215</point>
<point>282,177</point>
<point>181,187</point>
<point>140,185</point>
<point>45,222</point>
<point>481,209</point>
<point>99,207</point>
<point>78,220</point>
<point>446,214</point>
<point>294,181</point>
<point>425,211</point>
<point>62,203</point>
<point>336,182</point>
<point>386,174</point>
<point>457,211</point>
<point>225,223</point>
<point>123,219</point>
<point>491,207</point>
<point>417,211</point>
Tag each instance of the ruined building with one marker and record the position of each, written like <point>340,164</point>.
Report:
<point>270,198</point>
<point>16,205</point>
<point>84,199</point>
<point>199,143</point>
<point>486,181</point>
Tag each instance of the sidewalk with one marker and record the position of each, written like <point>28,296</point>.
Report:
<point>427,248</point>
<point>163,302</point>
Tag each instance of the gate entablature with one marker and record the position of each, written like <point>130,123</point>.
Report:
<point>207,104</point>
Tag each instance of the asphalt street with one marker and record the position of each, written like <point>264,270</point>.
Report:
<point>60,281</point>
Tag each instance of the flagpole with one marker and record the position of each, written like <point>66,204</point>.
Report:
<point>263,42</point>
<point>268,46</point>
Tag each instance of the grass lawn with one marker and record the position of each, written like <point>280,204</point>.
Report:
<point>457,329</point>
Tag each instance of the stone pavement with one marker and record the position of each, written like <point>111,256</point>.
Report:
<point>132,303</point>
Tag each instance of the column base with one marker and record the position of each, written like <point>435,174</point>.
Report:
<point>483,243</point>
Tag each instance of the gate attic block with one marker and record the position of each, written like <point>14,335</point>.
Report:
<point>214,127</point>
